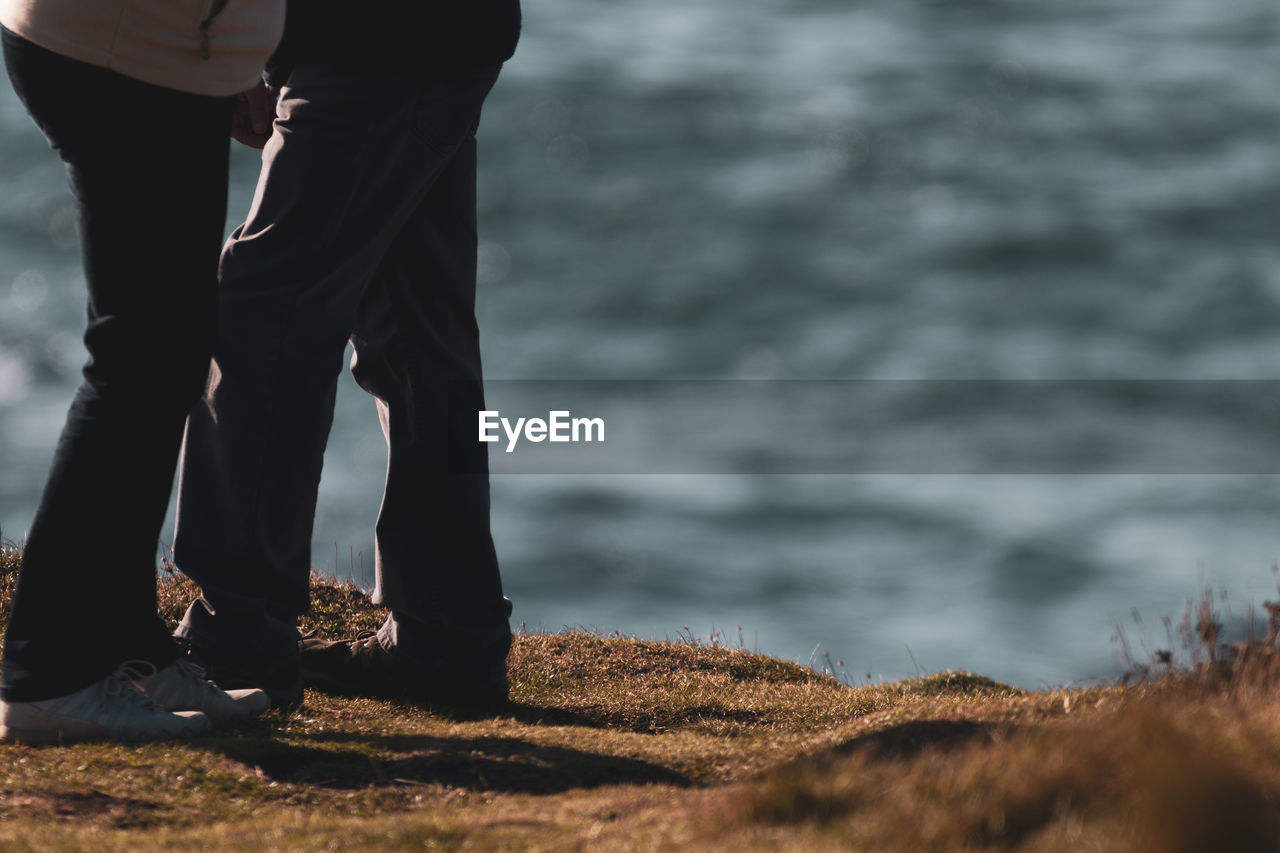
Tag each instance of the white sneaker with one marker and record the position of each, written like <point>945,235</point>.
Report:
<point>110,709</point>
<point>182,686</point>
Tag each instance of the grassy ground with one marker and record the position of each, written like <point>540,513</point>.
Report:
<point>615,743</point>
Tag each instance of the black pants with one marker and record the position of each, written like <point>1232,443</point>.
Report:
<point>148,168</point>
<point>363,228</point>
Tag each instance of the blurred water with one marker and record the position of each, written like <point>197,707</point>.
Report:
<point>817,189</point>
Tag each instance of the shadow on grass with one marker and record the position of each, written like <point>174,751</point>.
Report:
<point>907,740</point>
<point>523,712</point>
<point>652,720</point>
<point>632,719</point>
<point>349,761</point>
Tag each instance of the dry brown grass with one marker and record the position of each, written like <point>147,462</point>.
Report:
<point>617,743</point>
<point>1155,774</point>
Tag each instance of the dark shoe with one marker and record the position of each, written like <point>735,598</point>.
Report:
<point>362,667</point>
<point>280,680</point>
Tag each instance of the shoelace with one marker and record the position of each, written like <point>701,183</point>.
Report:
<point>195,672</point>
<point>124,680</point>
<point>364,640</point>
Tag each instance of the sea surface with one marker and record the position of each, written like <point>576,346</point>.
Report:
<point>918,194</point>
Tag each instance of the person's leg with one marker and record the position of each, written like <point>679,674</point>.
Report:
<point>417,351</point>
<point>351,159</point>
<point>148,169</point>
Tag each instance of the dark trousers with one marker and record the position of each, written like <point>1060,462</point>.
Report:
<point>363,228</point>
<point>148,169</point>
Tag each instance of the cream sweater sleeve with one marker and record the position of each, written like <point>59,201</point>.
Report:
<point>157,41</point>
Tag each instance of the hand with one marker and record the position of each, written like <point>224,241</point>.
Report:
<point>255,111</point>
